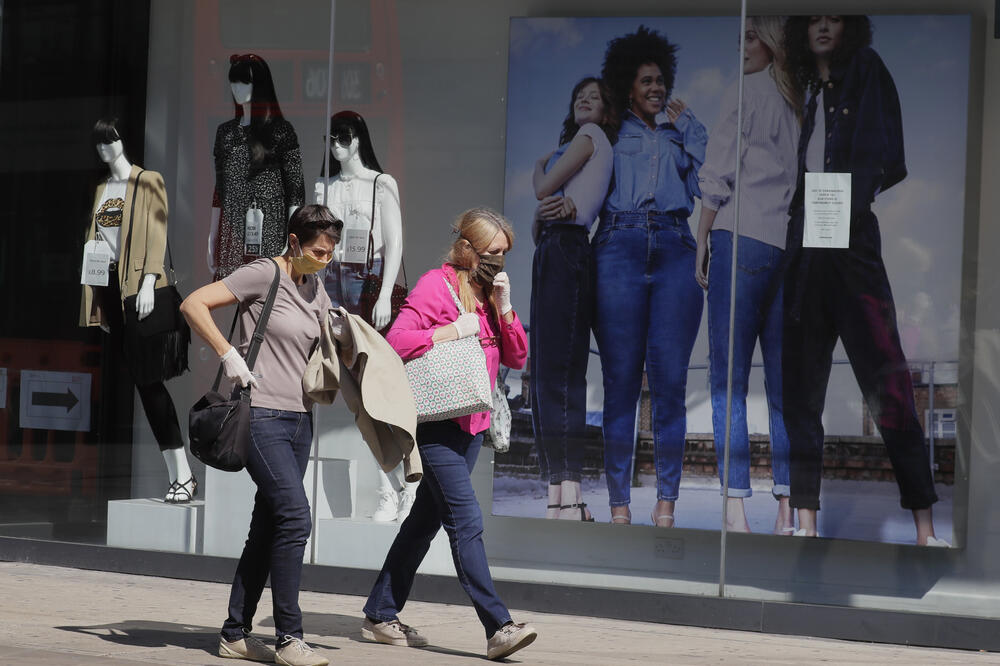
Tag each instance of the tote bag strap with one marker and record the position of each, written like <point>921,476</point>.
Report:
<point>259,330</point>
<point>451,290</point>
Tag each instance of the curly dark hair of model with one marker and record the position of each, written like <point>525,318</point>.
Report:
<point>626,54</point>
<point>609,121</point>
<point>800,59</point>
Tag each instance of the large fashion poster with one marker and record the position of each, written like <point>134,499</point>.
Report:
<point>620,163</point>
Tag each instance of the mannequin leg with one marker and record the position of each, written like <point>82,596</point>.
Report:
<point>388,499</point>
<point>406,496</point>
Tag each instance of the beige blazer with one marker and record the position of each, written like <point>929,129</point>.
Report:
<point>353,358</point>
<point>149,240</point>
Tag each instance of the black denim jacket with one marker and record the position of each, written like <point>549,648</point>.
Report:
<point>864,130</point>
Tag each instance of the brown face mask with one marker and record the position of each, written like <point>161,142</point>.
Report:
<point>489,266</point>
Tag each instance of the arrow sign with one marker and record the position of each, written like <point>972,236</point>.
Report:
<point>67,399</point>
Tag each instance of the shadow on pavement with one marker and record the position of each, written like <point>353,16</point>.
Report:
<point>146,633</point>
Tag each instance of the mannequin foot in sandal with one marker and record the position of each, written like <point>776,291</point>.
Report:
<point>620,515</point>
<point>179,472</point>
<point>784,524</point>
<point>663,513</point>
<point>573,506</point>
<point>736,516</point>
<point>555,501</point>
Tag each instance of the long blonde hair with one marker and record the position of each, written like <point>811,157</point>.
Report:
<point>476,228</point>
<point>771,31</point>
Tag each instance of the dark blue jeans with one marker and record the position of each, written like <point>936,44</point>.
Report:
<point>561,307</point>
<point>758,315</point>
<point>280,525</point>
<point>648,310</point>
<point>444,498</point>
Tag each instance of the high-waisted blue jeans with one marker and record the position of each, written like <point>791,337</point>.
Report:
<point>759,286</point>
<point>647,312</point>
<point>561,312</point>
<point>444,498</point>
<point>281,523</point>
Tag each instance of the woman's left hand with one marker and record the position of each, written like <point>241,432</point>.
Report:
<point>501,292</point>
<point>145,299</point>
<point>675,108</point>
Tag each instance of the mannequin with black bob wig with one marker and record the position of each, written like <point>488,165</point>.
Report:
<point>354,123</point>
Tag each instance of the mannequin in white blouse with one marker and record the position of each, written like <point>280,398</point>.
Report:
<point>349,197</point>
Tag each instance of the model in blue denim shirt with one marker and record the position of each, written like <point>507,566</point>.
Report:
<point>845,293</point>
<point>647,303</point>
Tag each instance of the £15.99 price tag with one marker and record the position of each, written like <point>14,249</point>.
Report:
<point>355,246</point>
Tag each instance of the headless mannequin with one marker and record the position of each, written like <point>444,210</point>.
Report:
<point>242,94</point>
<point>355,182</point>
<point>113,154</point>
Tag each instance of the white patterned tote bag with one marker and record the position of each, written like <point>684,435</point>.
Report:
<point>451,379</point>
<point>498,436</point>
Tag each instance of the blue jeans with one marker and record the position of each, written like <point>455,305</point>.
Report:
<point>444,498</point>
<point>759,288</point>
<point>561,310</point>
<point>648,310</point>
<point>279,451</point>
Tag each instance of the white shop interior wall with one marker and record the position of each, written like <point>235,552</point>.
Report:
<point>454,56</point>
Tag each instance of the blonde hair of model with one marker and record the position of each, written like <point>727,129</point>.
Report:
<point>476,228</point>
<point>771,31</point>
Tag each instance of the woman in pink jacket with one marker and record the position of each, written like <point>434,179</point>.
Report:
<point>474,268</point>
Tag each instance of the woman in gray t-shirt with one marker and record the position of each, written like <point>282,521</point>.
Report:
<point>280,424</point>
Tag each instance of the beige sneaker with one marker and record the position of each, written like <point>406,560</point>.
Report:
<point>509,639</point>
<point>247,647</point>
<point>295,652</point>
<point>393,632</point>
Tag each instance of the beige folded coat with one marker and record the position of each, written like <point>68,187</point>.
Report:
<point>354,359</point>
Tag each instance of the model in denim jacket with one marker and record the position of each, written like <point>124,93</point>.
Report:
<point>845,293</point>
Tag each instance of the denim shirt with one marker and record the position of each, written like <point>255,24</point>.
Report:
<point>864,130</point>
<point>657,169</point>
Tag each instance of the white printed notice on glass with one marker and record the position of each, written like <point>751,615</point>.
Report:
<point>828,210</point>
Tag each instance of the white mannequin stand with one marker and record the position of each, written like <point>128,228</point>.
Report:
<point>394,504</point>
<point>113,154</point>
<point>242,94</point>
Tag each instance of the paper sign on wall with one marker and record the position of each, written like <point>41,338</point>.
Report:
<point>55,400</point>
<point>828,210</point>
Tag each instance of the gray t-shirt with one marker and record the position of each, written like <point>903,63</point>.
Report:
<point>292,331</point>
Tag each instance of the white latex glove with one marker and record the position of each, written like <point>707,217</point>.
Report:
<point>382,312</point>
<point>145,299</point>
<point>235,369</point>
<point>501,292</point>
<point>467,324</point>
<point>213,232</point>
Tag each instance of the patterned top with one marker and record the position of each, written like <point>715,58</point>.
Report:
<point>274,186</point>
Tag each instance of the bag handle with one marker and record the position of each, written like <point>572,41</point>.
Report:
<point>131,218</point>
<point>259,330</point>
<point>371,241</point>
<point>451,290</point>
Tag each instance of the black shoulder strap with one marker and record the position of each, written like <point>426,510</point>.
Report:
<point>259,330</point>
<point>131,218</point>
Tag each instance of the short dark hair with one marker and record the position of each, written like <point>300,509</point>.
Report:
<point>355,122</point>
<point>625,55</point>
<point>311,220</point>
<point>801,61</point>
<point>106,131</point>
<point>609,123</point>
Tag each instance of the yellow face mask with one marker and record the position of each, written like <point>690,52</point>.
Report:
<point>307,264</point>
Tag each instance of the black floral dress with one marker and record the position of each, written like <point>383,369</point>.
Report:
<point>275,185</point>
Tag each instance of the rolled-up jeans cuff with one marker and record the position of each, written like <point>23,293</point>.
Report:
<point>738,492</point>
<point>557,478</point>
<point>780,491</point>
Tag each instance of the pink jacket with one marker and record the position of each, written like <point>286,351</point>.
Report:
<point>430,306</point>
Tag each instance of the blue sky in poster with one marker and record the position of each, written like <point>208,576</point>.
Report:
<point>921,219</point>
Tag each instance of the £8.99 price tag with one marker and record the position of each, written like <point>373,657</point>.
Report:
<point>96,262</point>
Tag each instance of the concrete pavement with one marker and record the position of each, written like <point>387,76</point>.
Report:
<point>56,616</point>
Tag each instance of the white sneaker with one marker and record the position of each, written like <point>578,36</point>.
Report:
<point>388,506</point>
<point>393,632</point>
<point>295,652</point>
<point>937,543</point>
<point>509,639</point>
<point>247,647</point>
<point>405,504</point>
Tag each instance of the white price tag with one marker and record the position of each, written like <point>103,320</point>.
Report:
<point>355,246</point>
<point>253,231</point>
<point>828,210</point>
<point>96,260</point>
